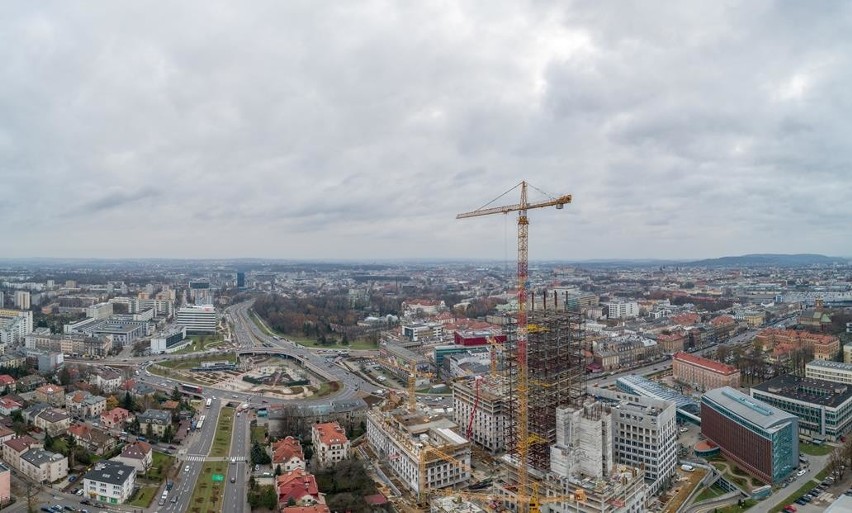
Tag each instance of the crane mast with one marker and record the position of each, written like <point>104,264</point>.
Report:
<point>523,440</point>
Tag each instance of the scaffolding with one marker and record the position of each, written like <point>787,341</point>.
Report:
<point>556,367</point>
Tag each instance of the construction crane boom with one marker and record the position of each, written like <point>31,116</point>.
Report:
<point>523,439</point>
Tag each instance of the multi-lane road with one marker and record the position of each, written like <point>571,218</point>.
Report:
<point>236,488</point>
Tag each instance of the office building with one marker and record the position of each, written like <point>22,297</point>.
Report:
<point>170,341</point>
<point>198,319</point>
<point>761,439</point>
<point>703,373</point>
<point>99,311</point>
<point>241,280</point>
<point>837,372</point>
<point>824,408</point>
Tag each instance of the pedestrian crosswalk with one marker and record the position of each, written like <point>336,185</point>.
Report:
<point>201,457</point>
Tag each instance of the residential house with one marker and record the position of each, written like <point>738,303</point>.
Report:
<point>30,383</point>
<point>84,404</point>
<point>298,486</point>
<point>53,395</point>
<point>5,484</point>
<point>54,422</point>
<point>288,453</point>
<point>108,380</point>
<point>157,420</point>
<point>43,466</point>
<point>93,439</point>
<point>9,405</point>
<point>137,455</point>
<point>316,508</point>
<point>110,482</point>
<point>116,418</point>
<point>34,409</point>
<point>6,434</point>
<point>14,448</point>
<point>330,443</point>
<point>7,384</point>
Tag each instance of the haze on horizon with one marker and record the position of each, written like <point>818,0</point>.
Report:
<point>211,129</point>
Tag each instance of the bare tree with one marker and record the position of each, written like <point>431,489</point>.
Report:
<point>836,464</point>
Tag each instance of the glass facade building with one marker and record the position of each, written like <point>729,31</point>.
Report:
<point>761,439</point>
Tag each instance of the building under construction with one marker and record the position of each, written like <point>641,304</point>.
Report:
<point>556,369</point>
<point>481,409</point>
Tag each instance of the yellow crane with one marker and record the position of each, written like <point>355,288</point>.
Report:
<point>412,374</point>
<point>522,379</point>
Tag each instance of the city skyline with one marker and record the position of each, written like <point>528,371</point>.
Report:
<point>358,132</point>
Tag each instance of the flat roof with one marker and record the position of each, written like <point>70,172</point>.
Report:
<point>809,390</point>
<point>828,364</point>
<point>754,410</point>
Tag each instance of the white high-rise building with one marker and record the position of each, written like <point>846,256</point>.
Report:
<point>645,434</point>
<point>622,309</point>
<point>198,318</point>
<point>584,443</point>
<point>22,299</point>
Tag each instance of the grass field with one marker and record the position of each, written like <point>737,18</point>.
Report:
<point>258,433</point>
<point>709,493</point>
<point>160,466</point>
<point>145,496</point>
<point>737,508</point>
<point>207,495</point>
<point>804,489</point>
<point>222,439</point>
<point>815,450</point>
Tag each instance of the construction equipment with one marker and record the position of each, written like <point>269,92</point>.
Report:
<point>522,440</point>
<point>412,374</point>
<point>533,501</point>
<point>469,432</point>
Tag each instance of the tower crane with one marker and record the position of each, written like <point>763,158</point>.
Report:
<point>412,375</point>
<point>523,439</point>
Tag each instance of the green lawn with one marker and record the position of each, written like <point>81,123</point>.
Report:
<point>815,450</point>
<point>207,495</point>
<point>709,493</point>
<point>327,388</point>
<point>258,433</point>
<point>804,489</point>
<point>222,439</point>
<point>160,466</point>
<point>145,495</point>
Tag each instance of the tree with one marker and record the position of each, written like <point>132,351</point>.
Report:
<point>72,451</point>
<point>48,441</point>
<point>127,402</point>
<point>64,376</point>
<point>111,402</point>
<point>176,395</point>
<point>278,470</point>
<point>835,465</point>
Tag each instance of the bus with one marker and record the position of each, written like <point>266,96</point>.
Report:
<point>208,403</point>
<point>190,389</point>
<point>199,423</point>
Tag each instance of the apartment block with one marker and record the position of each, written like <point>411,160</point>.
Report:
<point>109,482</point>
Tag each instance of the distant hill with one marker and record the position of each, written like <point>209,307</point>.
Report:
<point>767,260</point>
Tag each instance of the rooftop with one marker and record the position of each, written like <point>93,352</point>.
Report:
<point>111,472</point>
<point>828,364</point>
<point>749,408</point>
<point>705,363</point>
<point>809,390</point>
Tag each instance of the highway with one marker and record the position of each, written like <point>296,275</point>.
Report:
<point>236,487</point>
<point>197,448</point>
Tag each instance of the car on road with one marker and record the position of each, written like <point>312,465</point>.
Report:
<point>801,472</point>
<point>233,479</point>
<point>186,469</point>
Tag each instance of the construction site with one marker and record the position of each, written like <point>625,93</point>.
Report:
<point>512,415</point>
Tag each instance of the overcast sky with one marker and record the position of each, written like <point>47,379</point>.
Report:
<point>358,130</point>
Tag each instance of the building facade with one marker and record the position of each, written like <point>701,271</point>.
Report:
<point>330,443</point>
<point>488,404</point>
<point>109,482</point>
<point>702,373</point>
<point>837,372</point>
<point>824,408</point>
<point>198,319</point>
<point>761,439</point>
